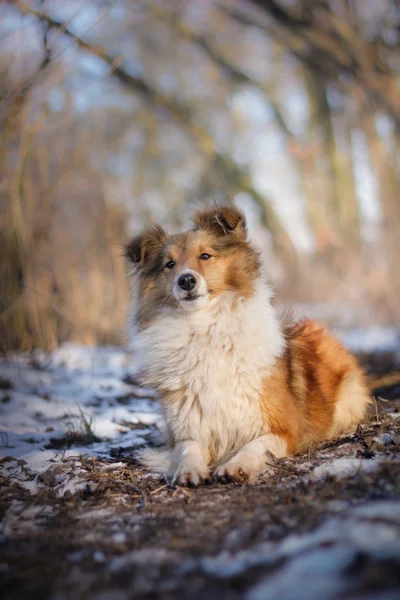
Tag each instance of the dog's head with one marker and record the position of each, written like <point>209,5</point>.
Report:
<point>190,269</point>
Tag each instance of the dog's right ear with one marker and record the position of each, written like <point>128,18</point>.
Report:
<point>223,220</point>
<point>144,248</point>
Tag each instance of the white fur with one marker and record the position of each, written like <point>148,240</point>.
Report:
<point>217,357</point>
<point>252,459</point>
<point>193,463</point>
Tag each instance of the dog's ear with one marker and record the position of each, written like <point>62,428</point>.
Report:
<point>225,220</point>
<point>144,248</point>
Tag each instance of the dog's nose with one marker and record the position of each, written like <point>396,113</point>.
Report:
<point>187,282</point>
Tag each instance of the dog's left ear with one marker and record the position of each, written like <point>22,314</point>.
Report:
<point>144,248</point>
<point>225,220</point>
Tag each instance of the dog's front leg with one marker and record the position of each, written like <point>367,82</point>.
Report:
<point>250,461</point>
<point>193,464</point>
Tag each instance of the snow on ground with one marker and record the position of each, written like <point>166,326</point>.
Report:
<point>375,339</point>
<point>66,404</point>
<point>74,401</point>
<point>78,402</point>
<point>344,467</point>
<point>325,525</point>
<point>320,563</point>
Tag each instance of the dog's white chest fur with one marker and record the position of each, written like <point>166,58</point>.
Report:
<point>212,363</point>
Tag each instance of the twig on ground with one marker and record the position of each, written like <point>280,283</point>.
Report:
<point>158,489</point>
<point>280,468</point>
<point>376,410</point>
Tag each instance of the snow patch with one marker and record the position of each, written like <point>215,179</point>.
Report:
<point>72,402</point>
<point>344,467</point>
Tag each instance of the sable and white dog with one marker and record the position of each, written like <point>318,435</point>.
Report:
<point>235,383</point>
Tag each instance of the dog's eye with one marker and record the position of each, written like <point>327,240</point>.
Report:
<point>170,265</point>
<point>205,256</point>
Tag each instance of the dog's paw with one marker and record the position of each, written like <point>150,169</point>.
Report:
<point>190,476</point>
<point>239,470</point>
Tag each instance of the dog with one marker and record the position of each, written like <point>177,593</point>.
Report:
<point>237,384</point>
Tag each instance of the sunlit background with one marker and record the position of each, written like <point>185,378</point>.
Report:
<point>118,113</point>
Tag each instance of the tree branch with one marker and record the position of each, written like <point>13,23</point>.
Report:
<point>12,102</point>
<point>230,70</point>
<point>328,46</point>
<point>281,15</point>
<point>333,47</point>
<point>181,114</point>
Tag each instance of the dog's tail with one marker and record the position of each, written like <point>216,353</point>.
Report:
<point>159,460</point>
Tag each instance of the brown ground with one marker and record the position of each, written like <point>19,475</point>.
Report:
<point>128,535</point>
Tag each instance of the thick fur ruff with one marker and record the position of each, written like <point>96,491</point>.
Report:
<point>236,384</point>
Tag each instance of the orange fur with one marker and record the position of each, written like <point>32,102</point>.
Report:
<point>300,396</point>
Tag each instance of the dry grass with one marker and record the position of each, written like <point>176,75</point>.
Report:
<point>62,275</point>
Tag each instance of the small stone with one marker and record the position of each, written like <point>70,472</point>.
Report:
<point>99,556</point>
<point>119,538</point>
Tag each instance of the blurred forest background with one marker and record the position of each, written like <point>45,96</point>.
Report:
<point>118,113</point>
